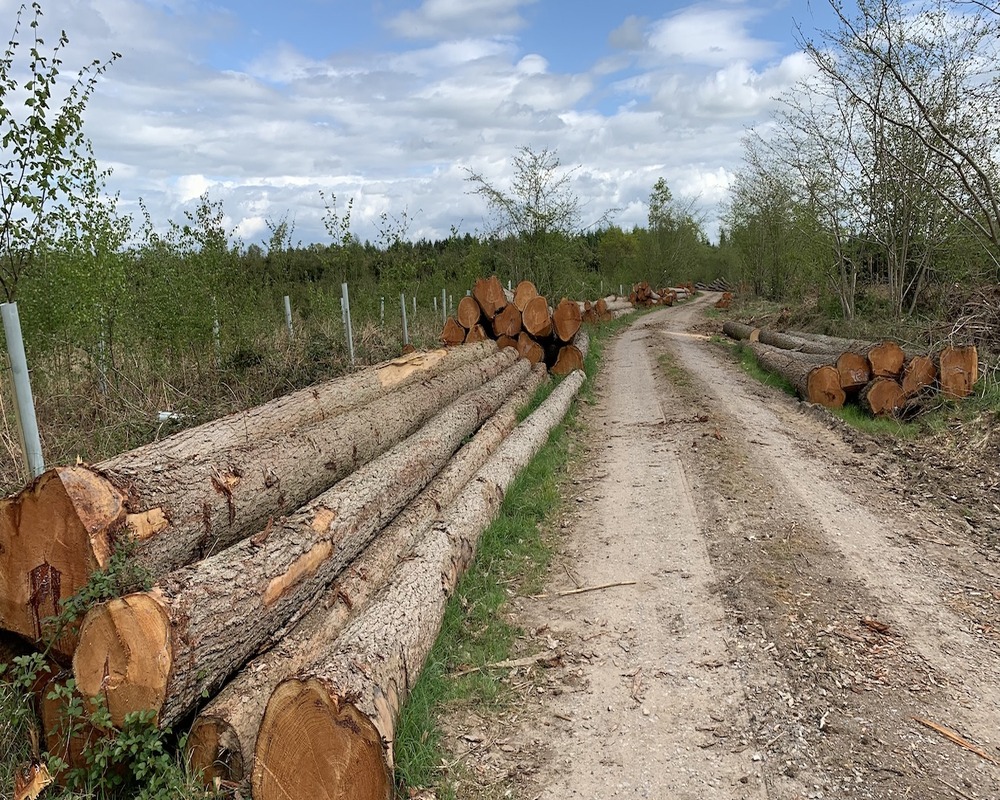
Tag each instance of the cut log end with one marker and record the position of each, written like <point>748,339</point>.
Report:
<point>823,387</point>
<point>959,371</point>
<point>214,751</point>
<point>315,744</point>
<point>882,397</point>
<point>125,655</point>
<point>855,371</point>
<point>53,535</point>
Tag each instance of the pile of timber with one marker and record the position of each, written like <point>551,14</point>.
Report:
<point>524,321</point>
<point>301,554</point>
<point>644,296</point>
<point>725,301</point>
<point>881,377</point>
<point>718,285</point>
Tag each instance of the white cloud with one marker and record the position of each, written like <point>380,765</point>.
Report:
<point>710,35</point>
<point>447,19</point>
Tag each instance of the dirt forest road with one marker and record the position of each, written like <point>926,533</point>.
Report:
<point>793,623</point>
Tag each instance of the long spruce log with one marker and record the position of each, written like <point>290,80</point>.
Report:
<point>740,331</point>
<point>853,366</point>
<point>178,506</point>
<point>814,377</point>
<point>222,738</point>
<point>159,650</point>
<point>329,732</point>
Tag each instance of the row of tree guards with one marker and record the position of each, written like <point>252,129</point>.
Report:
<point>525,321</point>
<point>302,553</point>
<point>883,378</point>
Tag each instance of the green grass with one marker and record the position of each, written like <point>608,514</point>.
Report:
<point>749,364</point>
<point>512,558</point>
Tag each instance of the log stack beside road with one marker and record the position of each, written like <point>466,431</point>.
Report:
<point>880,377</point>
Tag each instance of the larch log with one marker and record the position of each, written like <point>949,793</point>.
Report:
<point>919,373</point>
<point>740,331</point>
<point>523,292</point>
<point>507,322</point>
<point>566,320</point>
<point>530,349</point>
<point>222,738</point>
<point>568,359</point>
<point>453,333</point>
<point>882,397</point>
<point>490,295</point>
<point>468,312</point>
<point>329,732</point>
<point>477,333</point>
<point>159,650</point>
<point>179,503</point>
<point>536,318</point>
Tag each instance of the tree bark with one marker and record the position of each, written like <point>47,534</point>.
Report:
<point>222,739</point>
<point>814,377</point>
<point>740,331</point>
<point>160,650</point>
<point>329,732</point>
<point>179,503</point>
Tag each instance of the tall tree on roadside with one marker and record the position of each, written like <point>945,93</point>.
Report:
<point>46,162</point>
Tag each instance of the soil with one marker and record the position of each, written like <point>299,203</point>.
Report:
<point>797,604</point>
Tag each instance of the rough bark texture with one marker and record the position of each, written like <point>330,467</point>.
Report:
<point>919,372</point>
<point>739,331</point>
<point>814,377</point>
<point>60,529</point>
<point>958,371</point>
<point>566,320</point>
<point>882,397</point>
<point>468,312</point>
<point>160,650</point>
<point>222,739</point>
<point>329,732</point>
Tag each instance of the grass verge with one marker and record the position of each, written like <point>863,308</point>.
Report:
<point>512,558</point>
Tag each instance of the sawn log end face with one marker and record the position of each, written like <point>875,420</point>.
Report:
<point>313,743</point>
<point>53,535</point>
<point>214,751</point>
<point>125,655</point>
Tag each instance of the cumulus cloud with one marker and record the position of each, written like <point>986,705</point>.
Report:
<point>711,35</point>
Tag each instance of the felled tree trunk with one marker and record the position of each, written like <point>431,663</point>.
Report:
<point>523,292</point>
<point>490,295</point>
<point>222,739</point>
<point>882,397</point>
<point>568,359</point>
<point>536,319</point>
<point>329,732</point>
<point>159,650</point>
<point>958,371</point>
<point>530,349</point>
<point>178,503</point>
<point>507,322</point>
<point>814,377</point>
<point>740,331</point>
<point>919,373</point>
<point>468,312</point>
<point>453,333</point>
<point>566,320</point>
<point>477,333</point>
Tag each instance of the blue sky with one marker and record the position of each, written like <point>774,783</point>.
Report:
<point>264,104</point>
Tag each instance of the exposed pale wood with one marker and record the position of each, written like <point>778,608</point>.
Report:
<point>886,359</point>
<point>490,295</point>
<point>331,729</point>
<point>222,739</point>
<point>477,333</point>
<point>507,322</point>
<point>854,371</point>
<point>452,333</point>
<point>530,349</point>
<point>536,318</point>
<point>506,341</point>
<point>958,371</point>
<point>919,373</point>
<point>179,508</point>
<point>468,312</point>
<point>523,292</point>
<point>882,397</point>
<point>739,330</point>
<point>159,650</point>
<point>566,320</point>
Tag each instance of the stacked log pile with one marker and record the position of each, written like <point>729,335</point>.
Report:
<point>881,377</point>
<point>276,539</point>
<point>644,296</point>
<point>524,321</point>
